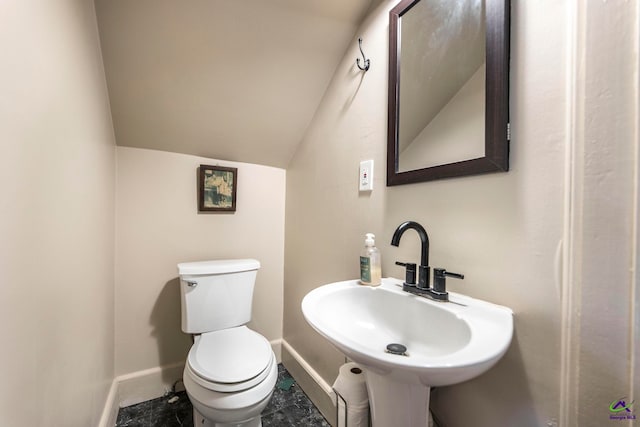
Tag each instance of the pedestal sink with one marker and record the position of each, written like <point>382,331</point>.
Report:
<point>446,342</point>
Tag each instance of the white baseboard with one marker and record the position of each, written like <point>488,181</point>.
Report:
<point>110,411</point>
<point>319,391</point>
<point>308,369</point>
<point>148,384</point>
<point>138,387</point>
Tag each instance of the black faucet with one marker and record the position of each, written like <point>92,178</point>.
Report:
<point>423,269</point>
<point>438,292</point>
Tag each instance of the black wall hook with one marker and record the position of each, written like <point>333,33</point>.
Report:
<point>365,62</point>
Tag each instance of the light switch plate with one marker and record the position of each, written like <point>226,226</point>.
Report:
<point>366,175</point>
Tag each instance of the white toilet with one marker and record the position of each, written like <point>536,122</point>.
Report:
<point>231,370</point>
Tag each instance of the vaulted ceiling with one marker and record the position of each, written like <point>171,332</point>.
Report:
<point>225,79</point>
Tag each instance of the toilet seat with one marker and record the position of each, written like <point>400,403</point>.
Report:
<point>231,407</point>
<point>230,360</point>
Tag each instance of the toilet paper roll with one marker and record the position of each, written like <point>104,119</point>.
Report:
<point>352,387</point>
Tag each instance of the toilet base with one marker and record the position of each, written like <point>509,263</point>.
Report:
<point>200,421</point>
<point>213,409</point>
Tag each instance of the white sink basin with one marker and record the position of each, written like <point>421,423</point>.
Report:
<point>447,342</point>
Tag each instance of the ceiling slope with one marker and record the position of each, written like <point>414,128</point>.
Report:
<point>225,79</point>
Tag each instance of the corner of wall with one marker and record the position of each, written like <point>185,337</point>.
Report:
<point>110,411</point>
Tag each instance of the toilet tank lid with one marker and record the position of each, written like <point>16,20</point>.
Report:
<point>218,266</point>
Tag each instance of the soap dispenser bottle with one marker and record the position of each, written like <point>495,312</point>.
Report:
<point>370,263</point>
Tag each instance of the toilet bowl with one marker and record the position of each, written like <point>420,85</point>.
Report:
<point>229,377</point>
<point>238,409</point>
<point>231,370</point>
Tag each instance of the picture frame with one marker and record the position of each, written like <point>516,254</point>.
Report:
<point>217,188</point>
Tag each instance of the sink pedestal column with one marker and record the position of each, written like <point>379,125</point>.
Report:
<point>396,403</point>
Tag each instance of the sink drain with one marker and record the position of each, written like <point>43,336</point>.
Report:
<point>395,348</point>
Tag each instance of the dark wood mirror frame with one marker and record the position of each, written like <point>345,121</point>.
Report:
<point>497,130</point>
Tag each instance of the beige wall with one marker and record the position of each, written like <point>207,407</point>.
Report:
<point>158,226</point>
<point>57,163</point>
<point>188,77</point>
<point>501,230</point>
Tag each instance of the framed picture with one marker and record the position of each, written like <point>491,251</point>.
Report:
<point>217,186</point>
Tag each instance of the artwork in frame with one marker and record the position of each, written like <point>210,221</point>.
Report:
<point>217,186</point>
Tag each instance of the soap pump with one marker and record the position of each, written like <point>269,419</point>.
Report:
<point>370,263</point>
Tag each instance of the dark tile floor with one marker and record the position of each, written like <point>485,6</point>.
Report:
<point>289,407</point>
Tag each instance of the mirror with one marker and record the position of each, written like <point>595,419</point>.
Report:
<point>448,89</point>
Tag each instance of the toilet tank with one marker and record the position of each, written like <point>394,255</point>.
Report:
<point>217,294</point>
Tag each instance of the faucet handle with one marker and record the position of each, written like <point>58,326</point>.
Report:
<point>410,273</point>
<point>440,277</point>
